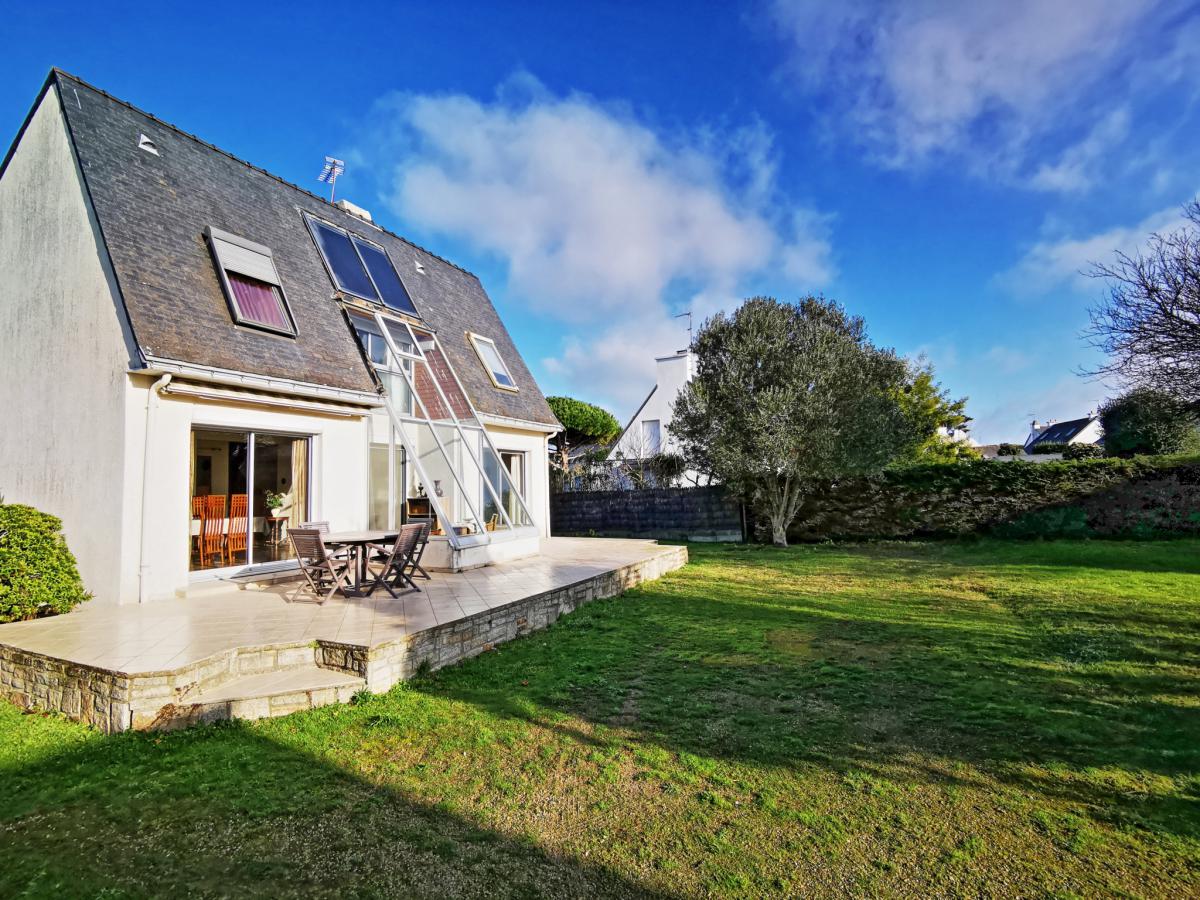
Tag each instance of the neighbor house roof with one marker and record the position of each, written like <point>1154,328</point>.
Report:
<point>152,210</point>
<point>1061,432</point>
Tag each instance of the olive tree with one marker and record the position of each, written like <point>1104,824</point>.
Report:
<point>786,395</point>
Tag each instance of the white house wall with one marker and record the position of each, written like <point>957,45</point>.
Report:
<point>672,375</point>
<point>337,480</point>
<point>63,352</point>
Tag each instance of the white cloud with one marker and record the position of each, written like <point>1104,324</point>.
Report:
<point>598,216</point>
<point>1062,262</point>
<point>1007,360</point>
<point>986,81</point>
<point>1075,169</point>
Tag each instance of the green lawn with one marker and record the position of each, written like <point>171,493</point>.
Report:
<point>987,718</point>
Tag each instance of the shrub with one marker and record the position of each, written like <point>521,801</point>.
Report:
<point>38,576</point>
<point>1010,450</point>
<point>1047,447</point>
<point>1118,496</point>
<point>1146,421</point>
<point>1083,451</point>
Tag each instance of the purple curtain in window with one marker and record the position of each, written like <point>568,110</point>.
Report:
<point>258,301</point>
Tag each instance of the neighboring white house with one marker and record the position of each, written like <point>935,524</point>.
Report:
<point>183,332</point>
<point>648,432</point>
<point>1087,430</point>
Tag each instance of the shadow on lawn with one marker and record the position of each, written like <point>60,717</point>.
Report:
<point>798,677</point>
<point>227,811</point>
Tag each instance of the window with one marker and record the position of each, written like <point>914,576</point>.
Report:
<point>389,369</point>
<point>359,267</point>
<point>250,282</point>
<point>651,436</point>
<point>490,357</point>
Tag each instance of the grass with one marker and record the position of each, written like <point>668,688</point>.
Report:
<point>986,718</point>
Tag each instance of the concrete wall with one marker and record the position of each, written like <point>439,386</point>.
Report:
<point>337,480</point>
<point>63,352</point>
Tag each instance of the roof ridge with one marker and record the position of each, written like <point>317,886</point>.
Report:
<point>62,73</point>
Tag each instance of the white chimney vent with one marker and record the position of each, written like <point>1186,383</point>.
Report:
<point>144,143</point>
<point>347,206</point>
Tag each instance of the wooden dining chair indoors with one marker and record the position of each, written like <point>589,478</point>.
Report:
<point>212,528</point>
<point>392,573</point>
<point>325,574</point>
<point>197,516</point>
<point>239,527</point>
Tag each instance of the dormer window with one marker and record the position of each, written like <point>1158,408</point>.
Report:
<point>359,267</point>
<point>490,357</point>
<point>250,282</point>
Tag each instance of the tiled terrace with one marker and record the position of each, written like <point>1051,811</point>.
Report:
<point>230,651</point>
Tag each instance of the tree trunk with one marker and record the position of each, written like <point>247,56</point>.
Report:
<point>778,530</point>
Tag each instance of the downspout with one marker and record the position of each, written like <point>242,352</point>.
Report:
<point>143,555</point>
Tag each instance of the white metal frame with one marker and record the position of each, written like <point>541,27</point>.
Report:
<point>251,452</point>
<point>398,422</point>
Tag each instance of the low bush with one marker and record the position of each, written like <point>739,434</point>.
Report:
<point>38,576</point>
<point>1083,451</point>
<point>1010,450</point>
<point>1133,497</point>
<point>1047,447</point>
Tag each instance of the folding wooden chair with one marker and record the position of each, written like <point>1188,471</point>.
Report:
<point>322,527</point>
<point>414,569</point>
<point>395,561</point>
<point>239,526</point>
<point>325,573</point>
<point>212,529</point>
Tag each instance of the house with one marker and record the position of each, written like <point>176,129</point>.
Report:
<point>648,432</point>
<point>196,355</point>
<point>1086,430</point>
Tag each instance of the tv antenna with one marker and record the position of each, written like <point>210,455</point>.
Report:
<point>689,318</point>
<point>329,174</point>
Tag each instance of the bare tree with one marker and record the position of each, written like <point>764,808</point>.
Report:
<point>1149,325</point>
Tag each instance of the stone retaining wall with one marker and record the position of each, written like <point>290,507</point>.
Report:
<point>455,641</point>
<point>116,701</point>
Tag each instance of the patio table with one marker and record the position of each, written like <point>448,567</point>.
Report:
<point>357,542</point>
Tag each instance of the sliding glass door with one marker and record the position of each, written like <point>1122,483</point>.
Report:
<point>248,489</point>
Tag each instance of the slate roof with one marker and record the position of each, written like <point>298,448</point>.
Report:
<point>152,212</point>
<point>1061,432</point>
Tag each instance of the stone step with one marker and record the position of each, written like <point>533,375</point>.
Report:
<point>262,695</point>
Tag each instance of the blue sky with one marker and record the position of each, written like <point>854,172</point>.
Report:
<point>944,169</point>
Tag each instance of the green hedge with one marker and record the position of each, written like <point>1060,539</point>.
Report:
<point>38,576</point>
<point>1101,497</point>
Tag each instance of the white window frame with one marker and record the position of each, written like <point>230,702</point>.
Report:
<point>397,366</point>
<point>245,257</point>
<point>476,341</point>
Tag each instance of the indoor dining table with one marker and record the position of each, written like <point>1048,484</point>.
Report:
<point>357,542</point>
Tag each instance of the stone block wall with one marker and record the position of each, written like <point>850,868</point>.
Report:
<point>455,641</point>
<point>691,514</point>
